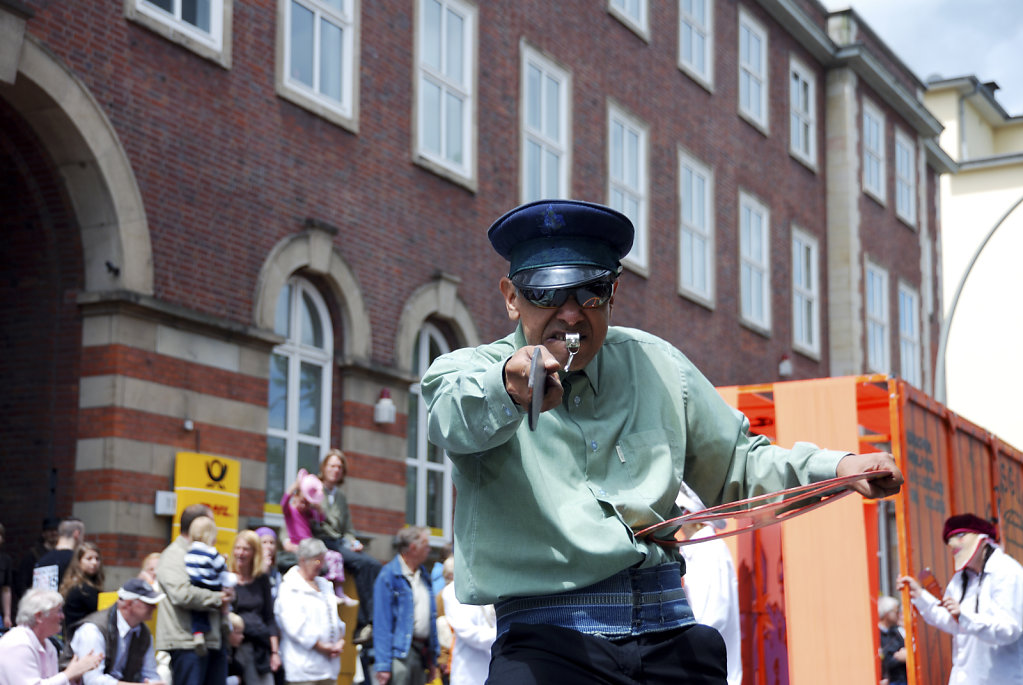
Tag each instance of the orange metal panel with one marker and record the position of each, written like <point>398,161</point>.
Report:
<point>828,598</point>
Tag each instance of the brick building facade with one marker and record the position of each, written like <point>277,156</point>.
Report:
<point>221,239</point>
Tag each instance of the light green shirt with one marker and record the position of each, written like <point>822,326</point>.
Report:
<point>553,510</point>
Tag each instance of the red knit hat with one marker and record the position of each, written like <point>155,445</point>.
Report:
<point>968,523</point>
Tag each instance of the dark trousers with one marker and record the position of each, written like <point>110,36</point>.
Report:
<point>408,671</point>
<point>364,569</point>
<point>188,668</point>
<point>546,655</point>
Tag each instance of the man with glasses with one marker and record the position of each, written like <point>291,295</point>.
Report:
<point>545,518</point>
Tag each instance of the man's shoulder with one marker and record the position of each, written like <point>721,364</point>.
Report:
<point>1009,563</point>
<point>392,568</point>
<point>55,556</point>
<point>633,341</point>
<point>173,554</point>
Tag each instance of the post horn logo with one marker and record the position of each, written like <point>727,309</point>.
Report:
<point>217,471</point>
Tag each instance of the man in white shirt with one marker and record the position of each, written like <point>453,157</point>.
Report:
<point>121,634</point>
<point>711,583</point>
<point>982,607</point>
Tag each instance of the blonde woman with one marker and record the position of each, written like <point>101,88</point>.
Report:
<point>258,653</point>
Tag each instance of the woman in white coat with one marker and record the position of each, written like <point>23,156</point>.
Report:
<point>312,634</point>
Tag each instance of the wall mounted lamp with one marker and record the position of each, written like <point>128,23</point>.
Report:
<point>384,410</point>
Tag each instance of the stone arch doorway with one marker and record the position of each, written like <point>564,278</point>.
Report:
<point>73,222</point>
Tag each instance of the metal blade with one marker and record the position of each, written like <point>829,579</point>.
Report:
<point>538,382</point>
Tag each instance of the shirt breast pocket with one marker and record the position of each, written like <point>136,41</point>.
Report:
<point>649,460</point>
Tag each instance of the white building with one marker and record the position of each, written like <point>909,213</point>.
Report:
<point>983,362</point>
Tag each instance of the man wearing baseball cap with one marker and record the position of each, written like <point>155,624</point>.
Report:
<point>982,607</point>
<point>121,635</point>
<point>548,508</point>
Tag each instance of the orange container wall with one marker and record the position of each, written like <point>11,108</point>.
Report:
<point>808,588</point>
<point>825,552</point>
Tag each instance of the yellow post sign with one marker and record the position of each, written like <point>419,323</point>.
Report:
<point>213,481</point>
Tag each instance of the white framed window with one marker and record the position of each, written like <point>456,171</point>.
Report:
<point>445,87</point>
<point>627,179</point>
<point>878,360</point>
<point>752,70</point>
<point>633,13</point>
<point>754,262</point>
<point>905,178</point>
<point>696,230</point>
<point>696,39</point>
<point>873,152</point>
<point>298,427</point>
<point>546,127</point>
<point>320,69</point>
<point>806,336</point>
<point>909,335</point>
<point>802,113</point>
<point>429,490</point>
<point>202,26</point>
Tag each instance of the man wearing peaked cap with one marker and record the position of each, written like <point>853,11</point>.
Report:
<point>121,635</point>
<point>982,606</point>
<point>620,417</point>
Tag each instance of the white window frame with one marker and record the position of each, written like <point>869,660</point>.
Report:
<point>754,310</point>
<point>421,447</point>
<point>696,225</point>
<point>905,177</point>
<point>296,352</point>
<point>874,152</point>
<point>806,295</point>
<point>634,190</point>
<point>637,18</point>
<point>343,112</point>
<point>910,357</point>
<point>463,172</point>
<point>749,73</point>
<point>213,45</point>
<point>875,290</point>
<point>558,146</point>
<point>802,113</point>
<point>689,25</point>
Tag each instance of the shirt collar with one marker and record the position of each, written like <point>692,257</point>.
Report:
<point>406,570</point>
<point>122,626</point>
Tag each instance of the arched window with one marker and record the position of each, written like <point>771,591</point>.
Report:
<point>428,489</point>
<point>300,381</point>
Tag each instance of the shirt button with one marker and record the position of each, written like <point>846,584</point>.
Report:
<point>507,411</point>
<point>602,492</point>
<point>577,400</point>
<point>593,445</point>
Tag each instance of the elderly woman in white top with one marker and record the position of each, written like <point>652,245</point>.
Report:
<point>26,655</point>
<point>312,634</point>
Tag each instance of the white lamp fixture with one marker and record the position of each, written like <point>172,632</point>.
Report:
<point>384,410</point>
<point>785,366</point>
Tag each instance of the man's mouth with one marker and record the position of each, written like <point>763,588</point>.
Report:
<point>560,336</point>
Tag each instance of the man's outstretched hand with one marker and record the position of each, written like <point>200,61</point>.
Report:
<point>875,488</point>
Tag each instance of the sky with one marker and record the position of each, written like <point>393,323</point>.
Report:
<point>948,38</point>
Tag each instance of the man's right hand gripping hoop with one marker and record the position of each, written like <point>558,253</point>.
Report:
<point>760,511</point>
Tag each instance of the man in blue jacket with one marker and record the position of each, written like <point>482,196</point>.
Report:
<point>404,614</point>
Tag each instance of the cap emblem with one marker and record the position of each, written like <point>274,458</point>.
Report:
<point>552,221</point>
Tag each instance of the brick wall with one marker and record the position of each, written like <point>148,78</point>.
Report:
<point>227,169</point>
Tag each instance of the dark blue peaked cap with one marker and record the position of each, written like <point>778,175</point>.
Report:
<point>558,243</point>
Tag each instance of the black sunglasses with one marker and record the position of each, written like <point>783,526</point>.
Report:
<point>589,295</point>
